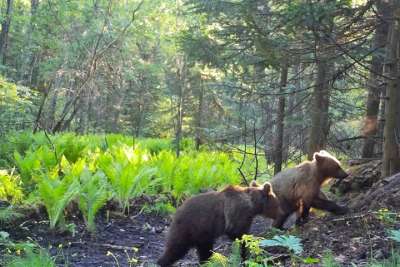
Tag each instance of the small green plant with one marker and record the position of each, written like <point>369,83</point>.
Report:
<point>234,259</point>
<point>395,235</point>
<point>10,187</point>
<point>32,257</point>
<point>328,260</point>
<point>94,194</point>
<point>392,261</point>
<point>290,242</point>
<point>387,216</point>
<point>159,208</point>
<point>56,193</point>
<point>217,260</point>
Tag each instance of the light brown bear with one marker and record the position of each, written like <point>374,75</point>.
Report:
<point>203,218</point>
<point>299,188</point>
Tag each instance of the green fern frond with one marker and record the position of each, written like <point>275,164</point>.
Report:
<point>293,243</point>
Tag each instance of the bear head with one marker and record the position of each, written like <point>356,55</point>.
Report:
<point>328,166</point>
<point>264,197</point>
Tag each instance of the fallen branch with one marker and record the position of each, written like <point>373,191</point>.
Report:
<point>352,217</point>
<point>110,246</point>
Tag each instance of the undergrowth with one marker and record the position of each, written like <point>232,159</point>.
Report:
<point>93,169</point>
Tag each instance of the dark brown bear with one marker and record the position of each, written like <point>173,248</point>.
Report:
<point>299,188</point>
<point>203,218</point>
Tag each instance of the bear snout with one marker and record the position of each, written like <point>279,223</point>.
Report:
<point>342,174</point>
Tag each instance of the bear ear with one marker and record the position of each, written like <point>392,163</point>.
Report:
<point>254,184</point>
<point>318,157</point>
<point>267,188</point>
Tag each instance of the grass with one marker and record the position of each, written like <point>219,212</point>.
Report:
<point>393,261</point>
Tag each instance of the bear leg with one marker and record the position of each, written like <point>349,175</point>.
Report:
<point>204,251</point>
<point>328,205</point>
<point>280,221</point>
<point>172,253</point>
<point>304,216</point>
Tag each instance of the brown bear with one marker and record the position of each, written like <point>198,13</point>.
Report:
<point>299,188</point>
<point>203,218</point>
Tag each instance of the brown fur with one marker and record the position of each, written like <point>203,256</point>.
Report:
<point>299,188</point>
<point>205,217</point>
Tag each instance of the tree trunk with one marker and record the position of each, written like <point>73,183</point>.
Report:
<point>267,122</point>
<point>391,155</point>
<point>199,116</point>
<point>374,83</point>
<point>5,29</point>
<point>319,110</point>
<point>321,94</point>
<point>278,142</point>
<point>179,118</point>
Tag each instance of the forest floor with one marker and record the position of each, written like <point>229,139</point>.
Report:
<point>120,240</point>
<point>354,239</point>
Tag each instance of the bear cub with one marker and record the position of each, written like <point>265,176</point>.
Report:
<point>299,188</point>
<point>203,218</point>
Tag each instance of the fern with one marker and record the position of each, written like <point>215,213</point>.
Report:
<point>10,187</point>
<point>56,193</point>
<point>291,242</point>
<point>126,173</point>
<point>395,235</point>
<point>217,260</point>
<point>93,195</point>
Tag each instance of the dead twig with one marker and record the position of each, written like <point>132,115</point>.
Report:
<point>351,217</point>
<point>110,246</point>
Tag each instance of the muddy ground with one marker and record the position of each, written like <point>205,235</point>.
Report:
<point>121,240</point>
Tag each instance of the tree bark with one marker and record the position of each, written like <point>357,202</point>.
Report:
<point>370,129</point>
<point>391,155</point>
<point>267,122</point>
<point>280,121</point>
<point>181,71</point>
<point>321,94</point>
<point>5,29</point>
<point>199,116</point>
<point>319,110</point>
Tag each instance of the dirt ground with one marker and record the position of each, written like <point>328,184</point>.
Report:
<point>120,240</point>
<point>137,240</point>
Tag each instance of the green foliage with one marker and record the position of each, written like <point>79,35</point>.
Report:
<point>395,235</point>
<point>125,170</point>
<point>387,216</point>
<point>328,260</point>
<point>93,195</point>
<point>94,168</point>
<point>219,260</point>
<point>23,254</point>
<point>35,162</point>
<point>17,104</point>
<point>186,175</point>
<point>291,242</point>
<point>160,208</point>
<point>56,192</point>
<point>9,214</point>
<point>32,258</point>
<point>393,261</point>
<point>10,187</point>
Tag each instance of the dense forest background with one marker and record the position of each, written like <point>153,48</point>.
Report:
<point>286,78</point>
